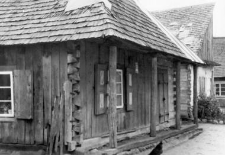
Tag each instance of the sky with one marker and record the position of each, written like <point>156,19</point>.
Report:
<point>218,14</point>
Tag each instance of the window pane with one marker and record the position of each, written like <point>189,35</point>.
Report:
<point>5,94</point>
<point>119,100</point>
<point>118,88</point>
<point>4,80</point>
<point>217,85</point>
<point>5,108</point>
<point>223,85</point>
<point>118,76</point>
<point>217,93</point>
<point>222,89</point>
<point>223,93</point>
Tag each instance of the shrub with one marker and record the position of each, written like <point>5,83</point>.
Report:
<point>208,108</point>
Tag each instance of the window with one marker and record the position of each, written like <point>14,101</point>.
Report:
<point>119,88</point>
<point>220,89</point>
<point>202,85</point>
<point>6,94</point>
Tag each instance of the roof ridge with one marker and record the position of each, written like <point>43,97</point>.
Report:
<point>184,7</point>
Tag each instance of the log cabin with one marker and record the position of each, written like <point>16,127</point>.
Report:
<point>193,26</point>
<point>75,74</point>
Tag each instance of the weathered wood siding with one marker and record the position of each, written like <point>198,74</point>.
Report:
<point>206,52</point>
<point>139,117</point>
<point>48,64</point>
<point>185,89</point>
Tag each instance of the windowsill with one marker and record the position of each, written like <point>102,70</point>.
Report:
<point>7,119</point>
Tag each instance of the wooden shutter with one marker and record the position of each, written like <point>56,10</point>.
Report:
<point>165,89</point>
<point>163,95</point>
<point>101,76</point>
<point>129,91</point>
<point>23,92</point>
<point>160,96</point>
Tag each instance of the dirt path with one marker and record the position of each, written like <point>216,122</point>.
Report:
<point>210,142</point>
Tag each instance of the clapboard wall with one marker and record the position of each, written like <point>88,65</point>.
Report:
<point>48,65</point>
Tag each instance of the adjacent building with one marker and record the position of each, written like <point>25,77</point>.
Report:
<point>219,71</point>
<point>193,26</point>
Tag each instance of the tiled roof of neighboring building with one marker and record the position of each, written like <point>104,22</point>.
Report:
<point>188,24</point>
<point>219,56</point>
<point>41,21</point>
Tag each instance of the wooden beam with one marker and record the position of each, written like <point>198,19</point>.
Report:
<point>154,97</point>
<point>178,96</point>
<point>195,95</point>
<point>112,97</point>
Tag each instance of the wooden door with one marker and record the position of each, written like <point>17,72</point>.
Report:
<point>163,95</point>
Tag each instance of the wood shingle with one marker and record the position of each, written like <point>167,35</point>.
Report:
<point>40,21</point>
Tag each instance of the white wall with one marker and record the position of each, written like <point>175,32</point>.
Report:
<point>206,72</point>
<point>192,84</point>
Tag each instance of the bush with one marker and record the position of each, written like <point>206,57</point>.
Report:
<point>208,108</point>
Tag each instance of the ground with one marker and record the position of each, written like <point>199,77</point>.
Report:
<point>210,142</point>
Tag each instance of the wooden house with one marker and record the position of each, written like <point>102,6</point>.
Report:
<point>193,26</point>
<point>219,71</point>
<point>77,77</point>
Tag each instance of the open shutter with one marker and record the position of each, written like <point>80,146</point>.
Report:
<point>100,89</point>
<point>165,89</point>
<point>23,90</point>
<point>161,96</point>
<point>130,94</point>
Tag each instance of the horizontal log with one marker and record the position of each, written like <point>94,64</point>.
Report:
<point>77,115</point>
<point>77,53</point>
<point>76,88</point>
<point>75,77</point>
<point>71,59</point>
<point>71,69</point>
<point>77,100</point>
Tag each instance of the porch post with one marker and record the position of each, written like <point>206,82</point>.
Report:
<point>195,95</point>
<point>154,98</point>
<point>178,95</point>
<point>112,97</point>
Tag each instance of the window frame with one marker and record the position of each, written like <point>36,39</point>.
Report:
<point>219,83</point>
<point>12,94</point>
<point>122,89</point>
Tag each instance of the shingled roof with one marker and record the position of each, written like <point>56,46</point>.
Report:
<point>219,56</point>
<point>188,24</point>
<point>42,21</point>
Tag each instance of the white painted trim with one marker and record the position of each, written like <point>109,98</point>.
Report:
<point>219,83</point>
<point>12,94</point>
<point>122,84</point>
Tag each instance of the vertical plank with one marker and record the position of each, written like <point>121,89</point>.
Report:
<point>83,88</point>
<point>112,97</point>
<point>102,119</point>
<point>195,95</point>
<point>154,97</point>
<point>20,65</point>
<point>68,110</point>
<point>91,60</point>
<point>24,94</point>
<point>38,94</point>
<point>63,78</point>
<point>55,71</point>
<point>47,90</point>
<point>5,133</point>
<point>178,96</point>
<point>29,124</point>
<point>63,65</point>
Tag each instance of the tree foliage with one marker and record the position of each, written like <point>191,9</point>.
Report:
<point>208,108</point>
